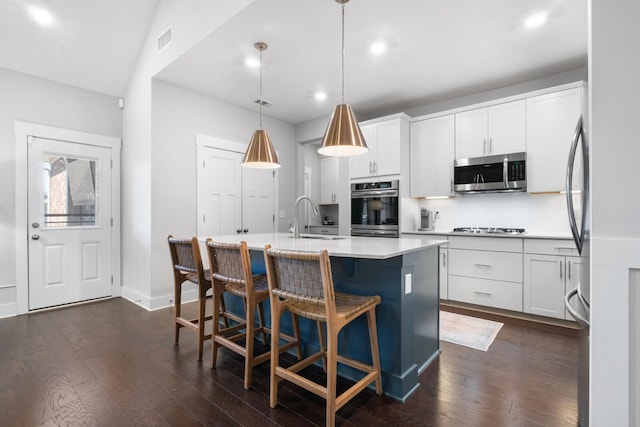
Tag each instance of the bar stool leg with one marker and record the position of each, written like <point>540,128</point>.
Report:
<point>276,311</point>
<point>332,367</point>
<point>201,315</point>
<point>250,311</point>
<point>215,320</point>
<point>262,322</point>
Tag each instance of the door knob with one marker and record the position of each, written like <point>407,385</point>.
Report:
<point>238,230</point>
<point>35,225</point>
<point>35,236</point>
<point>246,230</point>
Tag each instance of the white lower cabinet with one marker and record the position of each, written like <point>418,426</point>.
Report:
<point>486,271</point>
<point>548,275</point>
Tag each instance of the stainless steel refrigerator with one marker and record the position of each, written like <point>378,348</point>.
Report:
<point>577,301</point>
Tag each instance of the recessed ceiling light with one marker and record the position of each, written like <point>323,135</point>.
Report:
<point>536,20</point>
<point>40,15</point>
<point>378,47</point>
<point>252,62</point>
<point>321,96</point>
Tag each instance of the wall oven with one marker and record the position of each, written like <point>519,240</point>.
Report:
<point>375,209</point>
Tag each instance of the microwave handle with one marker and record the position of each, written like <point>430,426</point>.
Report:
<point>505,175</point>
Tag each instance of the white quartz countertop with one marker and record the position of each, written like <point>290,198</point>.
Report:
<point>525,235</point>
<point>344,246</point>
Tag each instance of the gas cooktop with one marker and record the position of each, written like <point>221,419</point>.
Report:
<point>488,230</point>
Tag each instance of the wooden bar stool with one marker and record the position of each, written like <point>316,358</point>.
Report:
<point>187,267</point>
<point>231,272</point>
<point>302,283</point>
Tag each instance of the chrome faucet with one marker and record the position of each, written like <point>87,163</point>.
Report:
<point>296,226</point>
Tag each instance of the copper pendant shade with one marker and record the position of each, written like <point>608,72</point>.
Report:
<point>343,136</point>
<point>260,154</point>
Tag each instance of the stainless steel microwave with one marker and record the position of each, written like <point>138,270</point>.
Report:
<point>505,172</point>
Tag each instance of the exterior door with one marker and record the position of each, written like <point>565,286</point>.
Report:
<point>69,222</point>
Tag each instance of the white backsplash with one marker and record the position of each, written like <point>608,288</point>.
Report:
<point>543,213</point>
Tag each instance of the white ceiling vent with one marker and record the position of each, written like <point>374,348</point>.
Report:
<point>165,39</point>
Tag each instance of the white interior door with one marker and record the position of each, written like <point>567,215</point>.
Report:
<point>233,199</point>
<point>69,222</point>
<point>258,214</point>
<point>219,192</point>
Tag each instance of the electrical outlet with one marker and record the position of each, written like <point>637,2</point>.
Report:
<point>407,283</point>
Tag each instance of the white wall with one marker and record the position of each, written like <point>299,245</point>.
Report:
<point>191,21</point>
<point>36,100</point>
<point>178,115</point>
<point>614,61</point>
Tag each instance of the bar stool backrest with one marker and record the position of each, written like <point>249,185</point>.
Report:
<point>302,277</point>
<point>230,262</point>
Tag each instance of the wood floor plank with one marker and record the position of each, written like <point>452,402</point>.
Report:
<point>112,363</point>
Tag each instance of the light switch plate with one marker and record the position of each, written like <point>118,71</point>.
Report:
<point>283,214</point>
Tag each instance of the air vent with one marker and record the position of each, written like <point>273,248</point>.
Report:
<point>264,103</point>
<point>165,39</point>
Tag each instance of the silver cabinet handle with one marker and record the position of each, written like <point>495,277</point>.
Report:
<point>560,248</point>
<point>482,293</point>
<point>444,259</point>
<point>568,270</point>
<point>483,265</point>
<point>35,236</point>
<point>560,264</point>
<point>489,145</point>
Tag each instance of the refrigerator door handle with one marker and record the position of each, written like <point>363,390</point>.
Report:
<point>572,311</point>
<point>578,235</point>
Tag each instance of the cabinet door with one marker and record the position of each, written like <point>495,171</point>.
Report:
<point>507,130</point>
<point>329,176</point>
<point>362,165</point>
<point>387,150</point>
<point>432,146</point>
<point>544,285</point>
<point>551,122</point>
<point>471,133</point>
<point>574,266</point>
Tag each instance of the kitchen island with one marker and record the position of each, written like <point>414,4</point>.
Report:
<point>403,271</point>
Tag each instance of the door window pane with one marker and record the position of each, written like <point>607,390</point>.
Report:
<point>69,191</point>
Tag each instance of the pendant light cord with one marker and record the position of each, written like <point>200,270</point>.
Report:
<point>343,4</point>
<point>260,101</point>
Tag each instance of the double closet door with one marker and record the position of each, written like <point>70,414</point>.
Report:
<point>233,199</point>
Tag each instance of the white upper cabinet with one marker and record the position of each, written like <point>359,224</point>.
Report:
<point>385,140</point>
<point>330,180</point>
<point>498,129</point>
<point>551,122</point>
<point>432,147</point>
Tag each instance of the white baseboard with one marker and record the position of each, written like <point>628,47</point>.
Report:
<point>156,303</point>
<point>8,310</point>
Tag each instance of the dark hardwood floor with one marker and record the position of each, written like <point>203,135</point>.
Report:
<point>111,363</point>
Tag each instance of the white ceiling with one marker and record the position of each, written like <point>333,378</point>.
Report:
<point>436,50</point>
<point>92,44</point>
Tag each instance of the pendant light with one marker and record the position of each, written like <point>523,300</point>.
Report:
<point>260,153</point>
<point>343,136</point>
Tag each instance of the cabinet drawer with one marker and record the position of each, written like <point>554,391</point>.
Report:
<point>501,244</point>
<point>550,247</point>
<point>506,266</point>
<point>490,293</point>
<point>314,229</point>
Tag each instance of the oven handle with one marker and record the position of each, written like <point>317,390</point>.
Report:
<point>374,193</point>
